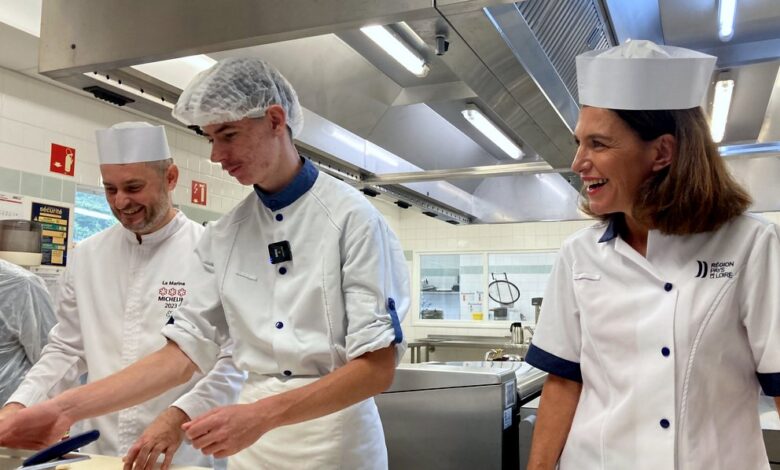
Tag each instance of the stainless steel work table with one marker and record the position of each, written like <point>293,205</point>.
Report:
<point>420,349</point>
<point>456,415</point>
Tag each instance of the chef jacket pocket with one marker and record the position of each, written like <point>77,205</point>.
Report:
<point>251,277</point>
<point>587,276</point>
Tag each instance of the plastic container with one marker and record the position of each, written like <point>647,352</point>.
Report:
<point>20,242</point>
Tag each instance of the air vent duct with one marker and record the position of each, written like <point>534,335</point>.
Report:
<point>106,95</point>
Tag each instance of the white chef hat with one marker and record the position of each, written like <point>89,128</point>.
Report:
<point>641,75</point>
<point>132,142</point>
<point>237,88</point>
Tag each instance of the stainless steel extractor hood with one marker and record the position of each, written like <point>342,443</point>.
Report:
<point>368,119</point>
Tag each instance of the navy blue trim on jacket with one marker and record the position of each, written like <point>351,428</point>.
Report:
<point>553,364</point>
<point>770,384</point>
<point>399,334</point>
<point>612,231</point>
<point>302,182</point>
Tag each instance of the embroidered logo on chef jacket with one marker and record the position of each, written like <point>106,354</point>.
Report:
<point>170,295</point>
<point>715,270</point>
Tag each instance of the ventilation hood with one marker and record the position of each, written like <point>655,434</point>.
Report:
<point>367,119</point>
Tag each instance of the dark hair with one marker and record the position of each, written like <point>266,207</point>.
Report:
<point>696,193</point>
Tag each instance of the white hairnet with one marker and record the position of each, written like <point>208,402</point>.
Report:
<point>26,316</point>
<point>236,88</point>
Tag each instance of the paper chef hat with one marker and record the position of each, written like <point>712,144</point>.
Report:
<point>641,75</point>
<point>132,142</point>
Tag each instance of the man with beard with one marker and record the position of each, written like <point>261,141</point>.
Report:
<point>120,288</point>
<point>303,274</point>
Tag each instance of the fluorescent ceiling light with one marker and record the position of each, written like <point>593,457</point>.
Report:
<point>720,108</point>
<point>177,72</point>
<point>399,50</point>
<point>128,89</point>
<point>726,10</point>
<point>496,135</point>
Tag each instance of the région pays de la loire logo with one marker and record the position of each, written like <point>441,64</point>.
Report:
<point>715,269</point>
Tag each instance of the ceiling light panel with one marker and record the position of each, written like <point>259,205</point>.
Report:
<point>477,119</point>
<point>398,49</point>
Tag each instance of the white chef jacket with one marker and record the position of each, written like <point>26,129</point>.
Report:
<point>342,293</point>
<point>670,349</point>
<point>115,296</point>
<point>26,316</point>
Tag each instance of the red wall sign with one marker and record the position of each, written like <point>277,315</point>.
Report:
<point>198,193</point>
<point>63,160</point>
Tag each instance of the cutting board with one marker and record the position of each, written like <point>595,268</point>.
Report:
<point>101,462</point>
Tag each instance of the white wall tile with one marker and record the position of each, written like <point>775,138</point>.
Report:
<point>11,132</point>
<point>24,159</point>
<point>33,114</point>
<point>87,173</point>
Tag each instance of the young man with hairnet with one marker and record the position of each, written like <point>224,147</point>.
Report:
<point>304,275</point>
<point>26,316</point>
<point>119,289</point>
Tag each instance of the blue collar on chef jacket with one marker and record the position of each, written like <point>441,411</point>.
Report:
<point>302,182</point>
<point>613,229</point>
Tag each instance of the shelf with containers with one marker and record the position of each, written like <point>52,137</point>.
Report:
<point>481,287</point>
<point>451,286</point>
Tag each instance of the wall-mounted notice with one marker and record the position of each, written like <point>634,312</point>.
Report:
<point>55,224</point>
<point>11,206</point>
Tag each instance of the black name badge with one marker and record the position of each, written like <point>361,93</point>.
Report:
<point>280,252</point>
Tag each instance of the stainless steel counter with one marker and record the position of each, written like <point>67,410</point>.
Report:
<point>11,459</point>
<point>529,378</point>
<point>457,415</point>
<point>420,349</point>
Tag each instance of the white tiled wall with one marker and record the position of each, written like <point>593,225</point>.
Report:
<point>421,234</point>
<point>35,114</point>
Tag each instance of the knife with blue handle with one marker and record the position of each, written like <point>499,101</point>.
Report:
<point>61,448</point>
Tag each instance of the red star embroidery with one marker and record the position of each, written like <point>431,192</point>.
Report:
<point>163,291</point>
<point>182,292</point>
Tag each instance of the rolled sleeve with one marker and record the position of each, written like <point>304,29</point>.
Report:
<point>200,349</point>
<point>199,326</point>
<point>219,387</point>
<point>761,301</point>
<point>376,289</point>
<point>557,340</point>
